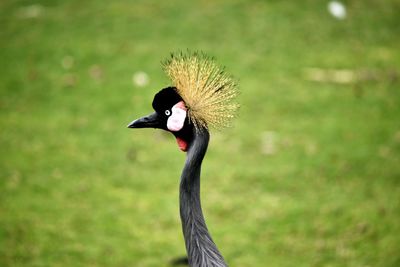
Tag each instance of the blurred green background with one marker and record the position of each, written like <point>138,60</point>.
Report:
<point>308,176</point>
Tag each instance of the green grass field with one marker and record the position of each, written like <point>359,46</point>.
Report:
<point>308,176</point>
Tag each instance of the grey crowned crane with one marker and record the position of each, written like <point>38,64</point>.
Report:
<point>202,97</point>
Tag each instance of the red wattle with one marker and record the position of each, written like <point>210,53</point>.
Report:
<point>182,144</point>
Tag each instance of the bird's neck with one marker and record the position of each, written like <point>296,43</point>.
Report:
<point>200,247</point>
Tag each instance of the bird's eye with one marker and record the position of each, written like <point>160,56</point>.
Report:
<point>167,112</point>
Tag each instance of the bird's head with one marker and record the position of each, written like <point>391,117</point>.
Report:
<point>170,115</point>
<point>203,96</point>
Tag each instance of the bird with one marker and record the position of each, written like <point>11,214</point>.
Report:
<point>202,97</point>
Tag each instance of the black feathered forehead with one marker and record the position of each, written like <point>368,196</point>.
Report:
<point>166,99</point>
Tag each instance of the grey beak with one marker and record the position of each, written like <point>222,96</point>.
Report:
<point>149,121</point>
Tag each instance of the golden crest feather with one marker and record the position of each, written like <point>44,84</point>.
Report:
<point>207,90</point>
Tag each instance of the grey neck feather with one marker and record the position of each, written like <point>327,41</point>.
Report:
<point>201,249</point>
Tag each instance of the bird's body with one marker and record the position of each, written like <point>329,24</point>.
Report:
<point>202,97</point>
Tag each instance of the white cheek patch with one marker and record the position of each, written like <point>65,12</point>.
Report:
<point>177,119</point>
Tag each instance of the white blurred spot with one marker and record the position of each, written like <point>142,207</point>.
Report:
<point>28,12</point>
<point>331,75</point>
<point>269,143</point>
<point>96,72</point>
<point>140,79</point>
<point>337,9</point>
<point>67,62</point>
